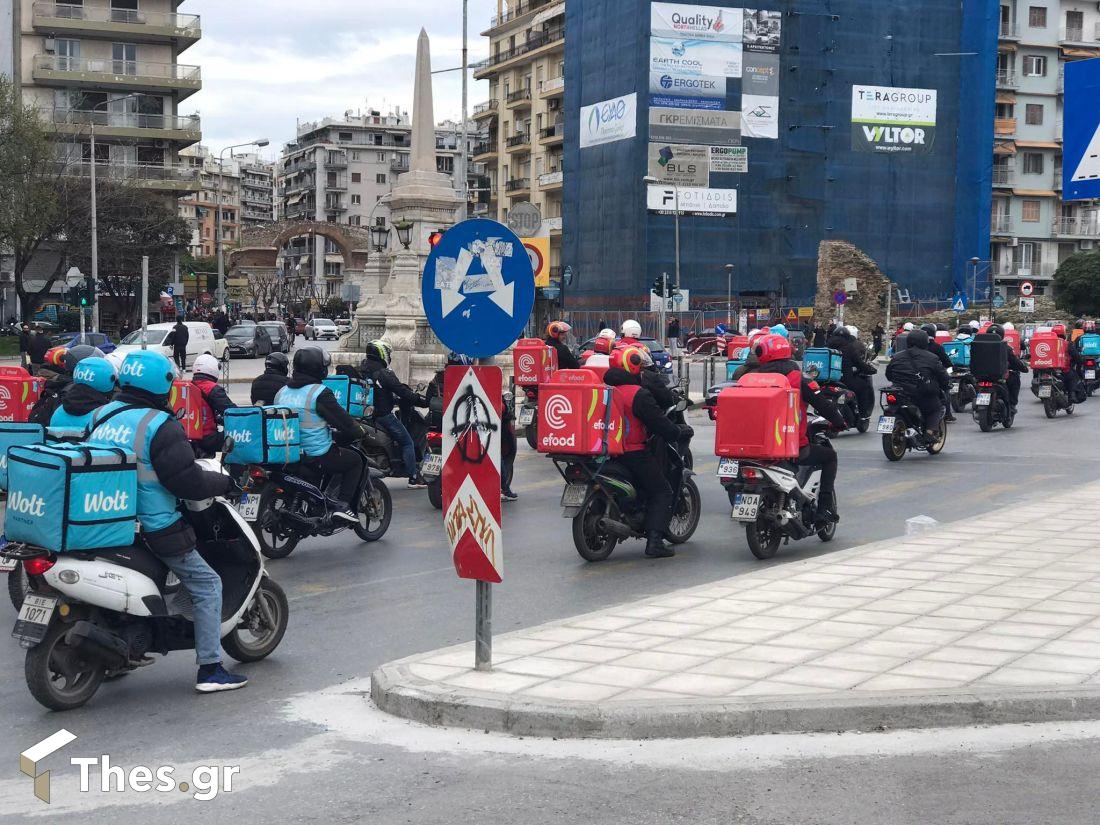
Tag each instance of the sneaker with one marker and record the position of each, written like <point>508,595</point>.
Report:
<point>417,483</point>
<point>508,495</point>
<point>346,514</point>
<point>214,678</point>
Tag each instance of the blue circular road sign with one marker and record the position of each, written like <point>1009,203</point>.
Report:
<point>840,297</point>
<point>478,288</point>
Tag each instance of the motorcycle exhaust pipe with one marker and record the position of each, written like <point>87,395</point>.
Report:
<point>616,528</point>
<point>99,644</point>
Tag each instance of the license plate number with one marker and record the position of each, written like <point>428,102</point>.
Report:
<point>526,417</point>
<point>955,387</point>
<point>574,495</point>
<point>248,507</point>
<point>728,467</point>
<point>433,465</point>
<point>745,507</point>
<point>1090,374</point>
<point>34,618</point>
<point>983,399</point>
<point>7,565</point>
<point>886,424</point>
<point>1044,392</point>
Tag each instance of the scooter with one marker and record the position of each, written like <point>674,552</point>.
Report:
<point>776,501</point>
<point>847,404</point>
<point>431,468</point>
<point>964,388</point>
<point>528,416</point>
<point>1089,377</point>
<point>992,405</point>
<point>902,426</point>
<point>1051,391</point>
<point>92,615</point>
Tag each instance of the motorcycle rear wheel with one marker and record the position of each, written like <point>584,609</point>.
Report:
<point>375,512</point>
<point>591,542</point>
<point>18,585</point>
<point>56,676</point>
<point>985,420</point>
<point>894,444</point>
<point>685,513</point>
<point>531,433</point>
<point>763,537</point>
<point>252,639</point>
<point>272,545</point>
<point>435,493</point>
<point>1049,408</point>
<point>863,424</point>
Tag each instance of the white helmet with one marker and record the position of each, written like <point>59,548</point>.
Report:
<point>854,330</point>
<point>753,333</point>
<point>631,329</point>
<point>207,364</point>
<point>908,326</point>
<point>974,325</point>
<point>607,333</point>
<point>1008,325</point>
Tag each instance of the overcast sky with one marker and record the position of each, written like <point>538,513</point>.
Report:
<point>268,63</point>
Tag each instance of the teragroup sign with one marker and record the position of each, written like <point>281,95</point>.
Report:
<point>694,200</point>
<point>609,121</point>
<point>1081,167</point>
<point>690,126</point>
<point>893,120</point>
<point>696,22</point>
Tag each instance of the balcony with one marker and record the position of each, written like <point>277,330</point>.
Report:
<point>131,26</point>
<point>186,129</point>
<point>552,135</point>
<point>554,87</point>
<point>1018,271</point>
<point>400,166</point>
<point>336,161</point>
<point>1000,224</point>
<point>551,181</point>
<point>485,151</point>
<point>336,186</point>
<point>533,44</point>
<point>1010,31</point>
<point>145,176</point>
<point>518,143</point>
<point>1006,79</point>
<point>518,10</point>
<point>519,99</point>
<point>1004,126</point>
<point>105,73</point>
<point>517,186</point>
<point>1083,226</point>
<point>485,110</point>
<point>1080,35</point>
<point>1004,176</point>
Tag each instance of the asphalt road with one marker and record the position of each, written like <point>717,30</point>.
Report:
<point>310,751</point>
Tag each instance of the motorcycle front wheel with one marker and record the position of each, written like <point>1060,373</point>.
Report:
<point>1049,408</point>
<point>862,424</point>
<point>262,626</point>
<point>685,513</point>
<point>57,675</point>
<point>763,536</point>
<point>375,512</point>
<point>435,493</point>
<point>937,446</point>
<point>593,543</point>
<point>275,543</point>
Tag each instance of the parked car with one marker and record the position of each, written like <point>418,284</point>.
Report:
<point>320,328</point>
<point>343,325</point>
<point>656,349</point>
<point>200,340</point>
<point>276,331</point>
<point>95,339</point>
<point>248,341</point>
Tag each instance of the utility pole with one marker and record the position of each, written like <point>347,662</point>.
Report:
<point>144,302</point>
<point>676,189</point>
<point>463,210</point>
<point>95,240</point>
<point>661,310</point>
<point>729,295</point>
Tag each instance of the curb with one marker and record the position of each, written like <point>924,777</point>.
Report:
<point>396,691</point>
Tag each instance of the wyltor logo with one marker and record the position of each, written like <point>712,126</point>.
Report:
<point>557,406</point>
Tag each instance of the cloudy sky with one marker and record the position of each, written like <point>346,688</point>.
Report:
<point>268,63</point>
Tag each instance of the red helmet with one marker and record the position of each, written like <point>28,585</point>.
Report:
<point>55,356</point>
<point>772,348</point>
<point>556,329</point>
<point>603,345</point>
<point>1059,330</point>
<point>631,359</point>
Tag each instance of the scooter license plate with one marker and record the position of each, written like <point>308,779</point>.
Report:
<point>34,618</point>
<point>886,424</point>
<point>955,387</point>
<point>1045,391</point>
<point>983,400</point>
<point>249,506</point>
<point>745,507</point>
<point>526,416</point>
<point>574,495</point>
<point>1090,374</point>
<point>7,565</point>
<point>432,465</point>
<point>728,467</point>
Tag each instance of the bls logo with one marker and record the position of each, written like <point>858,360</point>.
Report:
<point>33,506</point>
<point>556,407</point>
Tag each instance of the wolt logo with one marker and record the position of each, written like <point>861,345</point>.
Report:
<point>29,759</point>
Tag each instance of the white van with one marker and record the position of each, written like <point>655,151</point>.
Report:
<point>200,339</point>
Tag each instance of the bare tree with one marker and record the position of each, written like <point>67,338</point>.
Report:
<point>263,288</point>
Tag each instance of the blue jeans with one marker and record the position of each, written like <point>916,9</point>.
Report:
<point>392,425</point>
<point>205,589</point>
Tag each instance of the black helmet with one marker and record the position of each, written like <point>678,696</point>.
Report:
<point>313,362</point>
<point>277,361</point>
<point>917,338</point>
<point>75,355</point>
<point>930,329</point>
<point>995,329</point>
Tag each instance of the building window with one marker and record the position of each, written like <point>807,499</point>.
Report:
<point>1030,211</point>
<point>1035,65</point>
<point>1034,114</point>
<point>1033,163</point>
<point>355,156</point>
<point>382,157</point>
<point>356,200</point>
<point>1037,17</point>
<point>354,220</point>
<point>356,177</point>
<point>380,177</point>
<point>344,137</point>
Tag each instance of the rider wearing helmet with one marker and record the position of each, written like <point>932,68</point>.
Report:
<point>58,370</point>
<point>600,355</point>
<point>644,417</point>
<point>1015,365</point>
<point>388,392</point>
<point>140,422</point>
<point>323,422</point>
<point>556,333</point>
<point>94,381</point>
<point>936,348</point>
<point>856,372</point>
<point>631,332</point>
<point>1069,376</point>
<point>923,377</point>
<point>266,386</point>
<point>215,401</point>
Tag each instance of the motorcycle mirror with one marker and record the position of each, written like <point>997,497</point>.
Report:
<point>509,397</point>
<point>681,405</point>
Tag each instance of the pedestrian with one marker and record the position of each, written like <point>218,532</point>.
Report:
<point>674,337</point>
<point>24,342</point>
<point>124,330</point>
<point>37,344</point>
<point>180,336</point>
<point>876,339</point>
<point>820,336</point>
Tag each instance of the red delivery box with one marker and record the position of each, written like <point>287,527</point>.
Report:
<point>735,344</point>
<point>19,392</point>
<point>578,416</point>
<point>1049,352</point>
<point>533,361</point>
<point>185,400</point>
<point>758,418</point>
<point>943,336</point>
<point>1012,338</point>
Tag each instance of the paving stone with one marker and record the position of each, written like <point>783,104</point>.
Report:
<point>626,677</point>
<point>697,616</point>
<point>561,635</point>
<point>768,653</point>
<point>575,691</point>
<point>1059,664</point>
<point>657,660</point>
<point>587,653</point>
<point>814,676</point>
<point>973,655</point>
<point>434,673</point>
<point>539,666</point>
<point>603,623</point>
<point>894,681</point>
<point>700,684</point>
<point>947,671</point>
<point>947,623</point>
<point>1021,677</point>
<point>996,641</point>
<point>902,650</point>
<point>495,681</point>
<point>626,639</point>
<point>699,647</point>
<point>849,630</point>
<point>517,646</point>
<point>1037,631</point>
<point>1070,647</point>
<point>743,635</point>
<point>659,627</point>
<point>783,689</point>
<point>741,668</point>
<point>808,638</point>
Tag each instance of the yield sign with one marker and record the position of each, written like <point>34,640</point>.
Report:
<point>472,403</point>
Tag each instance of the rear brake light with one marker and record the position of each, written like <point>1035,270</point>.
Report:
<point>891,398</point>
<point>751,473</point>
<point>985,383</point>
<point>38,566</point>
<point>574,472</point>
<point>258,473</point>
<point>435,438</point>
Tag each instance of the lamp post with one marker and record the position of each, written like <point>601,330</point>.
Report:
<point>261,142</point>
<point>729,294</point>
<point>404,232</point>
<point>649,179</point>
<point>974,278</point>
<point>380,237</point>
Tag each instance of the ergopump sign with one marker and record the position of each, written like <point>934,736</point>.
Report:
<point>893,120</point>
<point>609,121</point>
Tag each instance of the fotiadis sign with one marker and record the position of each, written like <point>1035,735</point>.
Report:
<point>893,120</point>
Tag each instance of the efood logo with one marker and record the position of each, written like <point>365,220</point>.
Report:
<point>556,407</point>
<point>1042,349</point>
<point>526,362</point>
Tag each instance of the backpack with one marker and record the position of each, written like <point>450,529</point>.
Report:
<point>906,373</point>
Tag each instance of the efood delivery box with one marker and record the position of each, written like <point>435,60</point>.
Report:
<point>1049,352</point>
<point>19,391</point>
<point>534,362</point>
<point>758,418</point>
<point>186,402</point>
<point>578,415</point>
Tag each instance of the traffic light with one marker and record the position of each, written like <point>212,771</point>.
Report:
<point>435,237</point>
<point>87,297</point>
<point>658,286</point>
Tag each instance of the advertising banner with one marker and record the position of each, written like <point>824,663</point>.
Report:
<point>729,159</point>
<point>676,91</point>
<point>609,121</point>
<point>696,22</point>
<point>761,75</point>
<point>682,165</point>
<point>760,116</point>
<point>692,200</point>
<point>893,120</point>
<point>695,127</point>
<point>1081,164</point>
<point>762,31</point>
<point>694,57</point>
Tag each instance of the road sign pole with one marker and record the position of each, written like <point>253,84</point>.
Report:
<point>483,626</point>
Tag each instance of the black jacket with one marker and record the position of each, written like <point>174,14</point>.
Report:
<point>566,359</point>
<point>388,389</point>
<point>1014,362</point>
<point>852,352</point>
<point>52,392</point>
<point>181,335</point>
<point>345,428</point>
<point>645,407</point>
<point>37,345</point>
<point>266,386</point>
<point>658,388</point>
<point>918,371</point>
<point>80,399</point>
<point>937,349</point>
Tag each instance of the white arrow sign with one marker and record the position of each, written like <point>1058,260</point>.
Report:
<point>454,281</point>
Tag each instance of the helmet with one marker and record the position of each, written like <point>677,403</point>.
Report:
<point>909,326</point>
<point>631,359</point>
<point>379,349</point>
<point>631,329</point>
<point>930,329</point>
<point>314,361</point>
<point>917,339</point>
<point>603,345</point>
<point>753,333</point>
<point>780,329</point>
<point>1009,325</point>
<point>996,329</point>
<point>457,359</point>
<point>607,333</point>
<point>147,370</point>
<point>1059,330</point>
<point>277,361</point>
<point>207,364</point>
<point>558,329</point>
<point>853,331</point>
<point>1079,323</point>
<point>974,325</point>
<point>55,357</point>
<point>78,353</point>
<point>772,348</point>
<point>96,372</point>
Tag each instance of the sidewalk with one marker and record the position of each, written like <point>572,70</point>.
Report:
<point>993,619</point>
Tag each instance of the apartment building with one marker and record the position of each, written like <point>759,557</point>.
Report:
<point>111,66</point>
<point>200,207</point>
<point>522,119</point>
<point>257,184</point>
<point>1033,230</point>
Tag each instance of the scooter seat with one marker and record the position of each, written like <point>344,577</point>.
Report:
<point>135,558</point>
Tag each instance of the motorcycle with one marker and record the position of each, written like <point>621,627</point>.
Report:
<point>288,504</point>
<point>992,405</point>
<point>528,416</point>
<point>846,403</point>
<point>776,501</point>
<point>606,507</point>
<point>1089,375</point>
<point>431,468</point>
<point>964,388</point>
<point>902,426</point>
<point>385,453</point>
<point>1051,391</point>
<point>88,616</point>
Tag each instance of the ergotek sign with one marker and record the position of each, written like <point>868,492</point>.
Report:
<point>893,120</point>
<point>692,126</point>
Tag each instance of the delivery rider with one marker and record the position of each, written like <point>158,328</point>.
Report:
<point>94,381</point>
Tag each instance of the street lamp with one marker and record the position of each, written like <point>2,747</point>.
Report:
<point>729,294</point>
<point>380,237</point>
<point>974,275</point>
<point>261,142</point>
<point>649,179</point>
<point>404,232</point>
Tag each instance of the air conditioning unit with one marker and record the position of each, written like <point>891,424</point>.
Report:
<point>1014,242</point>
<point>1087,244</point>
<point>49,45</point>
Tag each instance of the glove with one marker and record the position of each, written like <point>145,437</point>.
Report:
<point>686,432</point>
